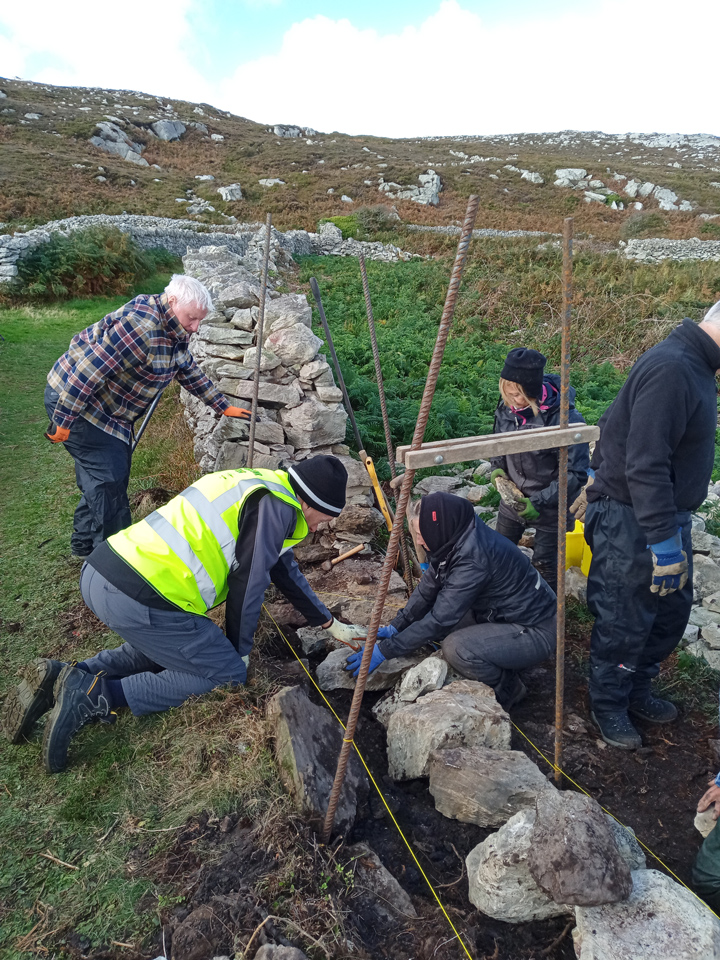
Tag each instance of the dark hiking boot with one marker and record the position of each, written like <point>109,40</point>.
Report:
<point>653,710</point>
<point>80,698</point>
<point>616,729</point>
<point>30,699</point>
<point>517,693</point>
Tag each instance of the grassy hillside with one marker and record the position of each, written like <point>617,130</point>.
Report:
<point>48,169</point>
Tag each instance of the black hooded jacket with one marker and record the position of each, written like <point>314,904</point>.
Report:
<point>657,438</point>
<point>484,572</point>
<point>536,472</point>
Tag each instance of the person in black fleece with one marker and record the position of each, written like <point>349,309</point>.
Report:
<point>530,400</point>
<point>652,466</point>
<point>480,598</point>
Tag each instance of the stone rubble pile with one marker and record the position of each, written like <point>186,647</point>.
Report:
<point>178,236</point>
<point>595,190</point>
<point>657,249</point>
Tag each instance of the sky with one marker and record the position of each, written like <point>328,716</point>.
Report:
<point>401,69</point>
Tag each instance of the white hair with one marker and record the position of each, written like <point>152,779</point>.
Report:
<point>188,290</point>
<point>713,315</point>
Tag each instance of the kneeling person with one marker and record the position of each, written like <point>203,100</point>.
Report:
<point>224,538</point>
<point>481,599</point>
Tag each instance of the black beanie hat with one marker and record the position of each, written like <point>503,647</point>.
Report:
<point>443,519</point>
<point>320,482</point>
<point>525,366</point>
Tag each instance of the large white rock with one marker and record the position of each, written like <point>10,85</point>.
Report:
<point>314,424</point>
<point>437,485</point>
<point>295,345</point>
<point>500,882</point>
<point>482,786</point>
<point>240,295</point>
<point>268,359</point>
<point>464,713</point>
<point>225,334</point>
<point>168,129</point>
<point>659,921</point>
<point>231,192</point>
<point>571,173</point>
<point>424,678</point>
<point>287,310</point>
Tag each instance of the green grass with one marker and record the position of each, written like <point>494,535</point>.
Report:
<point>125,782</point>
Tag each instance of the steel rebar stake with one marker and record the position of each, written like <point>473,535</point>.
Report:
<point>562,493</point>
<point>405,490</point>
<point>405,553</point>
<point>259,340</point>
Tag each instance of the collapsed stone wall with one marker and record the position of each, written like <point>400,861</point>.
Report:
<point>178,236</point>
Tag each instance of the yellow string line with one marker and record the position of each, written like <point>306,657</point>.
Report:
<point>374,783</point>
<point>605,810</point>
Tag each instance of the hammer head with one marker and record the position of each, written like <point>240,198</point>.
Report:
<point>327,566</point>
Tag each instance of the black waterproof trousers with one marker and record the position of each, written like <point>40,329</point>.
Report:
<point>102,471</point>
<point>546,540</point>
<point>635,630</point>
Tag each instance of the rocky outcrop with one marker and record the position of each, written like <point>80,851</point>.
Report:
<point>112,139</point>
<point>428,192</point>
<point>656,250</point>
<point>307,744</point>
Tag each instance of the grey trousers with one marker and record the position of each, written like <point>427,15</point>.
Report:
<point>493,652</point>
<point>167,656</point>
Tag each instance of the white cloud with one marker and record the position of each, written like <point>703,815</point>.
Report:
<point>613,66</point>
<point>619,65</point>
<point>138,46</point>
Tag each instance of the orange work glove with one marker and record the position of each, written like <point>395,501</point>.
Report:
<point>238,412</point>
<point>56,434</point>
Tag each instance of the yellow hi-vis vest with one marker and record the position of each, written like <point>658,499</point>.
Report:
<point>186,549</point>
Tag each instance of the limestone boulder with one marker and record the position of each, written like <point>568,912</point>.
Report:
<point>482,786</point>
<point>424,678</point>
<point>270,951</point>
<point>316,369</point>
<point>706,577</point>
<point>274,395</point>
<point>225,334</point>
<point>332,675</point>
<point>307,742</point>
<point>576,584</point>
<point>287,310</point>
<point>268,359</point>
<point>234,456</point>
<point>464,713</point>
<point>231,193</point>
<point>295,345</point>
<point>314,424</point>
<point>500,883</point>
<point>241,294</point>
<point>574,857</point>
<point>168,129</point>
<point>705,822</point>
<point>660,920</point>
<point>627,845</point>
<point>244,318</point>
<point>437,485</point>
<point>357,524</point>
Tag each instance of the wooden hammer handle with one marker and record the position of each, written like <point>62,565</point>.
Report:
<point>350,553</point>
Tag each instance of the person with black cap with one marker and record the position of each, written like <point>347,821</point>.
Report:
<point>530,399</point>
<point>223,539</point>
<point>480,598</point>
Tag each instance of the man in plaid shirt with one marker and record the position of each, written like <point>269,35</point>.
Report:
<point>103,384</point>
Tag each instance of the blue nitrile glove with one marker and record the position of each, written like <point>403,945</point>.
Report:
<point>355,659</point>
<point>670,566</point>
<point>424,567</point>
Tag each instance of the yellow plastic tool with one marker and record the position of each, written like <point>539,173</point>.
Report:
<point>577,552</point>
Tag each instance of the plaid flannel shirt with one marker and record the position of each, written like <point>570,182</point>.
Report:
<point>113,369</point>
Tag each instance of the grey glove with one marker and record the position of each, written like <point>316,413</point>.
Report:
<point>579,504</point>
<point>348,633</point>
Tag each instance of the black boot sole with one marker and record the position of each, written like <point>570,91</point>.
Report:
<point>28,701</point>
<point>610,741</point>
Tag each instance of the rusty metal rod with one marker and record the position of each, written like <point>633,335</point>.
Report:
<point>259,340</point>
<point>404,552</point>
<point>391,555</point>
<point>563,494</point>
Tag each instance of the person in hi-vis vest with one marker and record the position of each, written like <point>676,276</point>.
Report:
<point>224,538</point>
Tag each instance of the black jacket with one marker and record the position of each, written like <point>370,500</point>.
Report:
<point>485,573</point>
<point>657,438</point>
<point>536,472</point>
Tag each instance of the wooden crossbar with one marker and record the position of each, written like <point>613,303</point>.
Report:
<point>494,445</point>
